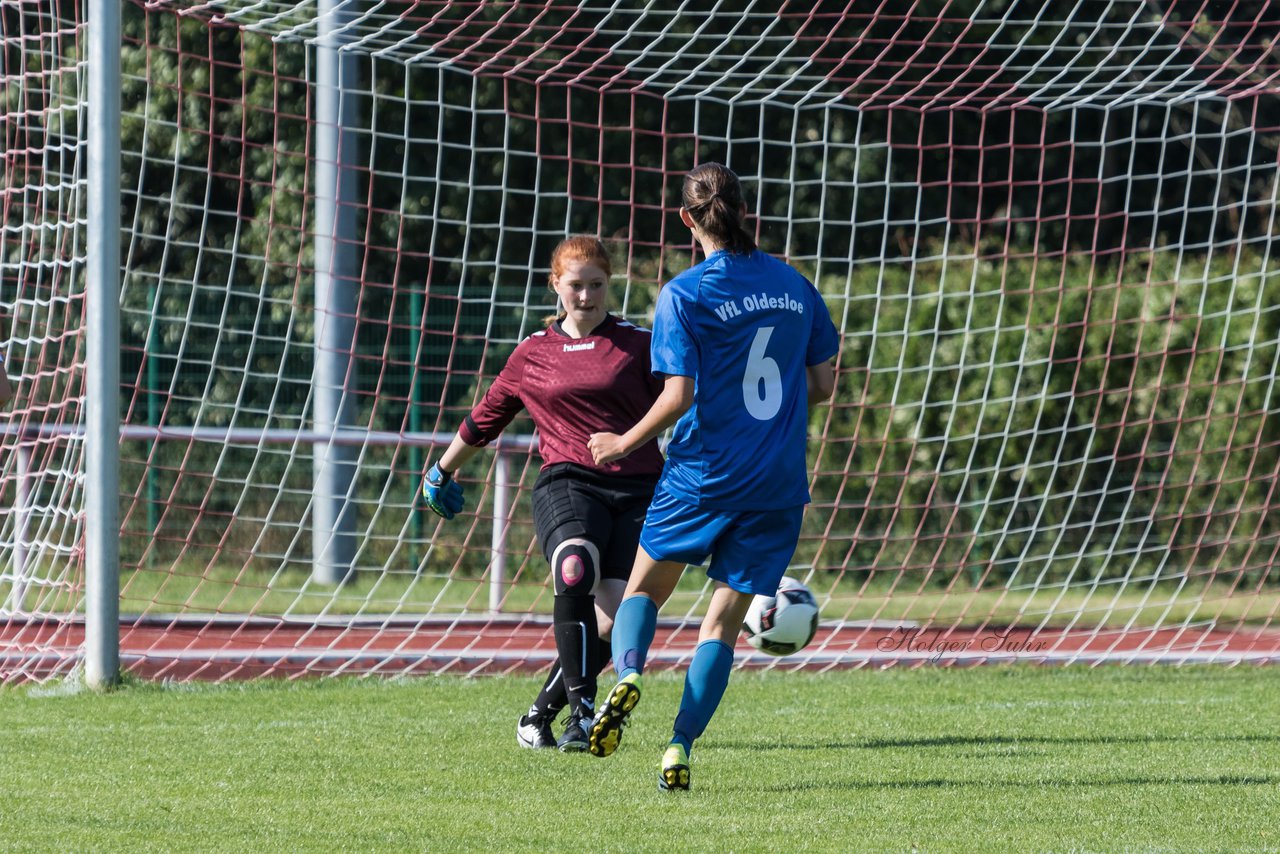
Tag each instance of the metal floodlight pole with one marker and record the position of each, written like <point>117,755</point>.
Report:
<point>102,351</point>
<point>333,517</point>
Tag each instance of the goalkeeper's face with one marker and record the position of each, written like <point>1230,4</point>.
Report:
<point>583,289</point>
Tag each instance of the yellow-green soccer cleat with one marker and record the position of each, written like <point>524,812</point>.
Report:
<point>606,727</point>
<point>675,769</point>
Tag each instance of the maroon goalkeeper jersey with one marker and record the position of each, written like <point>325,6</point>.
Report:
<point>573,387</point>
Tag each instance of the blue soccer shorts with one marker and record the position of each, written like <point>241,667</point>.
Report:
<point>749,549</point>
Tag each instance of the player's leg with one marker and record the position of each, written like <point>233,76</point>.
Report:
<point>622,553</point>
<point>633,629</point>
<point>675,534</point>
<point>575,572</point>
<point>651,584</point>
<point>630,499</point>
<point>553,697</point>
<point>608,597</point>
<point>534,727</point>
<point>705,681</point>
<point>571,520</point>
<point>751,558</point>
<point>708,673</point>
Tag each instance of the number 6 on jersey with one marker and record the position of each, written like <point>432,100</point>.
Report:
<point>762,380</point>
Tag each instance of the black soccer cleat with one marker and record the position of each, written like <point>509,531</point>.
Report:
<point>575,739</point>
<point>534,732</point>
<point>606,729</point>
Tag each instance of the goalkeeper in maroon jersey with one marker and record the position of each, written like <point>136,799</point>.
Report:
<point>587,372</point>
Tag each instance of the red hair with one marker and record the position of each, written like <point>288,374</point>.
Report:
<point>580,247</point>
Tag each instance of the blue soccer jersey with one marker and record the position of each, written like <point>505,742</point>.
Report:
<point>744,327</point>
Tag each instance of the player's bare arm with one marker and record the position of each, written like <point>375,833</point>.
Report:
<point>457,455</point>
<point>674,401</point>
<point>822,382</point>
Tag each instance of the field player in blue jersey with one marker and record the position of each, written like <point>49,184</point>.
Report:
<point>587,371</point>
<point>744,343</point>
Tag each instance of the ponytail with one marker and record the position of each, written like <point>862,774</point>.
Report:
<point>712,194</point>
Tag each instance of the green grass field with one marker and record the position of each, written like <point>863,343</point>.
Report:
<point>1011,758</point>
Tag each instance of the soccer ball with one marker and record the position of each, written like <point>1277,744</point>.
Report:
<point>784,622</point>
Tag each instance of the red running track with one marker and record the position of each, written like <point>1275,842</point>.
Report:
<point>221,648</point>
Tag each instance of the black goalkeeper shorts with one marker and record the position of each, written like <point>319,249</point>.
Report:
<point>574,501</point>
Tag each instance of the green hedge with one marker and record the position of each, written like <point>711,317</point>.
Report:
<point>1016,421</point>
<point>1038,419</point>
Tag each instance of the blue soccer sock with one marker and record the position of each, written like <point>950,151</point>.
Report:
<point>704,685</point>
<point>633,628</point>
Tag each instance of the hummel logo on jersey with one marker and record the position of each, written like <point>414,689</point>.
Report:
<point>586,345</point>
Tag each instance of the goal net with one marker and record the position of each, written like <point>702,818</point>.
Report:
<point>1044,230</point>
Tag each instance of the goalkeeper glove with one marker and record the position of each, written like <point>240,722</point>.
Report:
<point>442,492</point>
